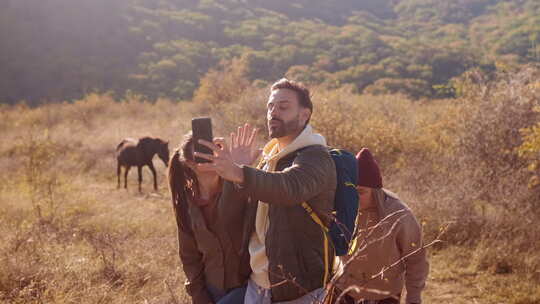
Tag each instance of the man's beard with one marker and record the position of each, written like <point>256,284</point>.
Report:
<point>284,128</point>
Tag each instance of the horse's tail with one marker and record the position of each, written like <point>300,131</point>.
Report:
<point>120,145</point>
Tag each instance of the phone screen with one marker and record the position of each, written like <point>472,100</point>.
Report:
<point>202,129</point>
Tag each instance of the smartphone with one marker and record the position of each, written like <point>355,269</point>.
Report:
<point>202,129</point>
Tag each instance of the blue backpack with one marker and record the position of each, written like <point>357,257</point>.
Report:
<point>342,227</point>
<point>346,201</point>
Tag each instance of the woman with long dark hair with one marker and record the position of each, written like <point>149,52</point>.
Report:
<point>210,224</point>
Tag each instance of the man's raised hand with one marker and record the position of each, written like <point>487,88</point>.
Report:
<point>221,161</point>
<point>242,150</point>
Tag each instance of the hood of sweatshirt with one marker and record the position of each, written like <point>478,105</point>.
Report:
<point>272,154</point>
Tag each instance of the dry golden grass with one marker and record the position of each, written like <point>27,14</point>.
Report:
<point>456,279</point>
<point>69,236</point>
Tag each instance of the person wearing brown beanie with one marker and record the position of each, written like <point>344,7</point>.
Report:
<point>387,232</point>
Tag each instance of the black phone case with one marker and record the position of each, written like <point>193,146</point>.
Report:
<point>202,129</point>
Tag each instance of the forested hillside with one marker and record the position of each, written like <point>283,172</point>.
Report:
<point>64,49</point>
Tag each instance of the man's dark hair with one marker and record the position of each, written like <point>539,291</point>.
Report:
<point>304,98</point>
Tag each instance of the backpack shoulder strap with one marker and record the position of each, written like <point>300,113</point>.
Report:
<point>314,216</point>
<point>324,229</point>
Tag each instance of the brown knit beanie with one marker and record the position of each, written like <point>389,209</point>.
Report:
<point>369,174</point>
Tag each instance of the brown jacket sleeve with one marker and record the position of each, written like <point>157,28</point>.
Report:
<point>192,263</point>
<point>409,239</point>
<point>311,172</point>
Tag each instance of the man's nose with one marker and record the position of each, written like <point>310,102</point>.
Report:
<point>272,113</point>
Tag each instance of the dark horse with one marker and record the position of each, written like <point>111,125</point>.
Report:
<point>131,152</point>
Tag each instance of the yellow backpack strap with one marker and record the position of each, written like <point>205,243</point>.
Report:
<point>314,216</point>
<point>352,246</point>
<point>317,220</point>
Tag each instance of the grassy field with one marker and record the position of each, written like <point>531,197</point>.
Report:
<point>69,236</point>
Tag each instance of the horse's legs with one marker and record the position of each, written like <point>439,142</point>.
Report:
<point>139,170</point>
<point>151,165</point>
<point>126,175</point>
<point>118,172</point>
